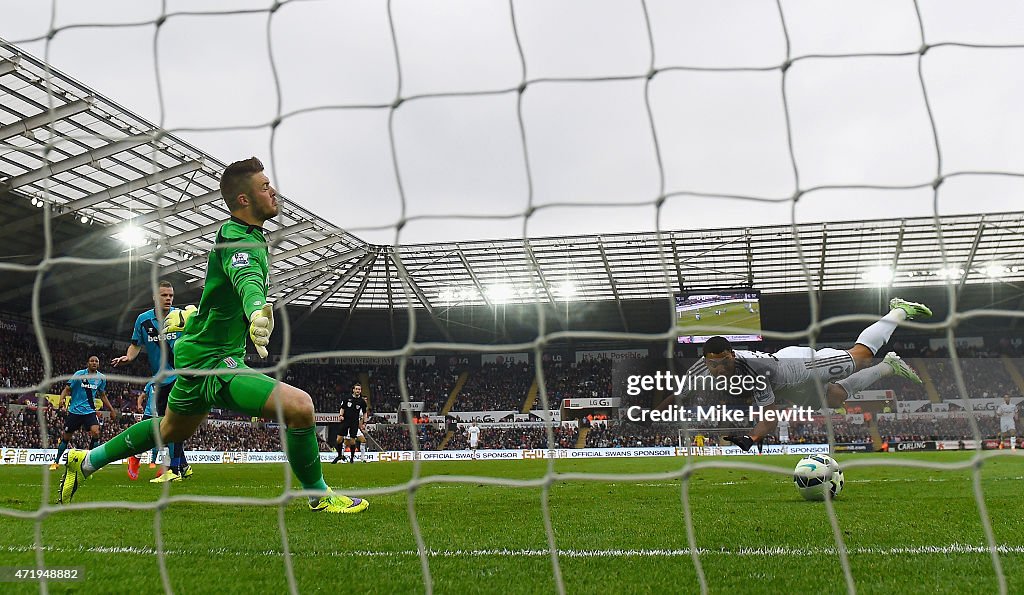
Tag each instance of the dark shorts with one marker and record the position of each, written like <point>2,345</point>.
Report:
<point>162,392</point>
<point>75,421</point>
<point>349,430</point>
<point>333,431</point>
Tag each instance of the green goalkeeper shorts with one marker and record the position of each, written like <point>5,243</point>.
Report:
<point>245,393</point>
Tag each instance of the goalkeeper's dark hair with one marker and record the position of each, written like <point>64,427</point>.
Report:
<point>236,180</point>
<point>717,345</point>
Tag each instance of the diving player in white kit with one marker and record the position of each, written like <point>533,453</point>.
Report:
<point>791,372</point>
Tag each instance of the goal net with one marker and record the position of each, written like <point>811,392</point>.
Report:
<point>484,181</point>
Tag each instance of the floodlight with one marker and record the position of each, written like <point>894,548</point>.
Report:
<point>880,275</point>
<point>132,236</point>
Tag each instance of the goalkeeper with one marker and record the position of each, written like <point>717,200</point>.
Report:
<point>233,305</point>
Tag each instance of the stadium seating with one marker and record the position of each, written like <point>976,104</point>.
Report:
<point>516,438</point>
<point>491,387</point>
<point>496,387</point>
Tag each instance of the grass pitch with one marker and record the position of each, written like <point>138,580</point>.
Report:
<point>907,530</point>
<point>737,316</point>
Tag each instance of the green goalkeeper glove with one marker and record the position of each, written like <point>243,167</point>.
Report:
<point>175,321</point>
<point>261,325</point>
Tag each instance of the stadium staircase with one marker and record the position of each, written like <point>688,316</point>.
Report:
<point>581,439</point>
<point>921,367</point>
<point>371,442</point>
<point>1014,372</point>
<point>531,397</point>
<point>461,382</point>
<point>447,438</point>
<point>876,436</point>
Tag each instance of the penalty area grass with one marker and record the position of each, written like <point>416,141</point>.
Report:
<point>906,530</point>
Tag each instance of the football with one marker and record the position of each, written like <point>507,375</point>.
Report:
<point>838,480</point>
<point>176,320</point>
<point>817,475</point>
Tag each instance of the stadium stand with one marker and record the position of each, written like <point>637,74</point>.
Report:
<point>425,382</point>
<point>988,372</point>
<point>496,387</point>
<point>514,438</point>
<point>590,378</point>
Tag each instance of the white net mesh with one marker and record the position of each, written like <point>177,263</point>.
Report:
<point>636,62</point>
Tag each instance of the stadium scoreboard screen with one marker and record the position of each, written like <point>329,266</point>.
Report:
<point>698,309</point>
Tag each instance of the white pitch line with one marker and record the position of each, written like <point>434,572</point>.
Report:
<point>955,548</point>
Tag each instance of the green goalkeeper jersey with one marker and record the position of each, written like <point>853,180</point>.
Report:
<point>236,286</point>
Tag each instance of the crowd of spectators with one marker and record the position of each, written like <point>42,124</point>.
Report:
<point>984,374</point>
<point>397,437</point>
<point>425,382</point>
<point>21,366</point>
<point>490,387</point>
<point>903,428</point>
<point>505,387</point>
<point>577,380</point>
<point>236,437</point>
<point>626,435</point>
<point>496,387</point>
<point>937,428</point>
<point>19,426</point>
<point>516,438</point>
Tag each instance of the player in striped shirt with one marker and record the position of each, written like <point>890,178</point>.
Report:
<point>147,336</point>
<point>792,372</point>
<point>83,388</point>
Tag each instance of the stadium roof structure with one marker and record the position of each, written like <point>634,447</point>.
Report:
<point>64,146</point>
<point>88,158</point>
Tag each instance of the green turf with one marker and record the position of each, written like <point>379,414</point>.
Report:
<point>232,549</point>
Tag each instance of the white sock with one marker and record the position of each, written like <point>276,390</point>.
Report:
<point>858,381</point>
<point>877,335</point>
<point>87,468</point>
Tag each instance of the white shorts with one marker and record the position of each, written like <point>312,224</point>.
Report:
<point>473,443</point>
<point>1007,425</point>
<point>803,364</point>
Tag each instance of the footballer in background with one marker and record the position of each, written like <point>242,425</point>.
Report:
<point>85,386</point>
<point>1008,417</point>
<point>146,334</point>
<point>474,437</point>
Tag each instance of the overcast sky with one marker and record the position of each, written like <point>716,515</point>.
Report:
<point>854,120</point>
